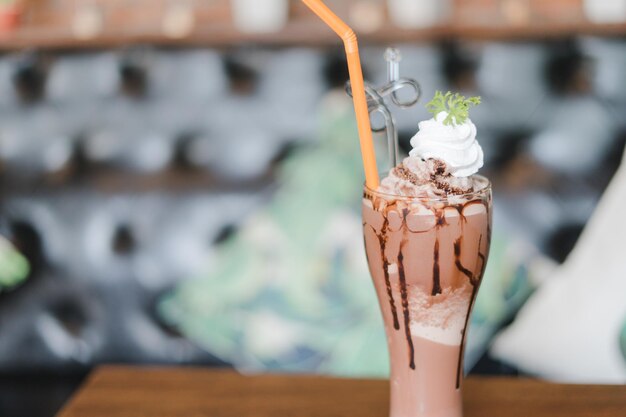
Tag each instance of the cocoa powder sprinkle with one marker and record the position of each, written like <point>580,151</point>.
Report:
<point>403,173</point>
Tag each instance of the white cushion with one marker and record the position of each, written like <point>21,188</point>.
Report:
<point>570,328</point>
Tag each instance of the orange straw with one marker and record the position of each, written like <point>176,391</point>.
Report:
<point>358,88</point>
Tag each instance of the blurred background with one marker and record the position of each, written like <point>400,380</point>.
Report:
<point>180,183</point>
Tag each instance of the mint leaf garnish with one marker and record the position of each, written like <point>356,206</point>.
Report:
<point>456,105</point>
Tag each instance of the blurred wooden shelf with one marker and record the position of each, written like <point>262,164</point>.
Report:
<point>307,32</point>
<point>48,24</point>
<point>541,31</point>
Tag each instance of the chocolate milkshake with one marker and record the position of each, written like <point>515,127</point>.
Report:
<point>427,231</point>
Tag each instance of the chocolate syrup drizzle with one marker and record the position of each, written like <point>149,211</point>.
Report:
<point>405,307</point>
<point>475,282</point>
<point>382,241</point>
<point>457,260</point>
<point>436,283</point>
<point>473,277</point>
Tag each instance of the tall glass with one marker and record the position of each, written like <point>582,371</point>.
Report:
<point>427,257</point>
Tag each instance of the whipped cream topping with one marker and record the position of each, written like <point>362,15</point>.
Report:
<point>455,145</point>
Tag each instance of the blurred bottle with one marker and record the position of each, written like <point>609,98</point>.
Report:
<point>568,70</point>
<point>242,148</point>
<point>107,237</point>
<point>88,20</point>
<point>237,155</point>
<point>29,77</point>
<point>416,14</point>
<point>243,77</point>
<point>557,11</point>
<point>64,102</point>
<point>195,75</point>
<point>34,229</point>
<point>179,19</point>
<point>609,59</point>
<point>128,129</point>
<point>152,152</point>
<point>135,66</point>
<point>290,88</point>
<point>511,78</point>
<point>83,78</point>
<point>34,142</point>
<point>172,249</point>
<point>133,146</point>
<point>516,12</point>
<point>367,16</point>
<point>133,77</point>
<point>183,88</point>
<point>248,17</point>
<point>8,95</point>
<point>10,13</point>
<point>477,12</point>
<point>605,11</point>
<point>459,66</point>
<point>504,62</point>
<point>564,146</point>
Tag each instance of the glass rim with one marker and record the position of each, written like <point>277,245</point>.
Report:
<point>485,189</point>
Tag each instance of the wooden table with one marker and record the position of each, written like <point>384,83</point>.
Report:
<point>188,392</point>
